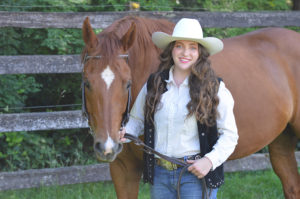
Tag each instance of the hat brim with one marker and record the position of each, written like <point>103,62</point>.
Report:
<point>212,44</point>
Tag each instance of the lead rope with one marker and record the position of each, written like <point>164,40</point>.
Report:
<point>185,165</point>
<point>204,196</point>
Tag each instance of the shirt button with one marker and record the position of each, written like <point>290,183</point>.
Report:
<point>202,134</point>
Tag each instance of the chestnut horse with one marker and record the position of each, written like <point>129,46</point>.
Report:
<point>261,69</point>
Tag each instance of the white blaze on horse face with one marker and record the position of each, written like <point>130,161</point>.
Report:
<point>109,144</point>
<point>108,76</point>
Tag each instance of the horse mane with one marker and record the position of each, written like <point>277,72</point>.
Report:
<point>109,38</point>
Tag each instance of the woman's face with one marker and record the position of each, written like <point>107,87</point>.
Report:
<point>185,54</point>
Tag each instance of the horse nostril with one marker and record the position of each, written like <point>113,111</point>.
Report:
<point>101,148</point>
<point>98,147</point>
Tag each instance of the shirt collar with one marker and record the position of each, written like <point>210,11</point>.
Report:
<point>171,78</point>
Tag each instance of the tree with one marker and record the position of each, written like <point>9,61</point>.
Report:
<point>296,5</point>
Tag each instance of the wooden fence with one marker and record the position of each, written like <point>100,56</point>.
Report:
<point>39,64</point>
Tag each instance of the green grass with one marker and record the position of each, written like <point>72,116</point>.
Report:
<point>244,185</point>
<point>251,185</point>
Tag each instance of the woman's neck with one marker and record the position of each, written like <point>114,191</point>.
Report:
<point>180,75</point>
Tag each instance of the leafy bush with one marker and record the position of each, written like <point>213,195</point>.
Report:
<point>15,90</point>
<point>24,150</point>
<point>245,5</point>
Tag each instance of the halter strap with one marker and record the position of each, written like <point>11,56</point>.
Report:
<point>87,57</point>
<point>125,117</point>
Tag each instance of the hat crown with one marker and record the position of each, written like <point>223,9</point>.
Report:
<point>188,28</point>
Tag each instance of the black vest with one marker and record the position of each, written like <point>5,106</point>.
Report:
<point>208,136</point>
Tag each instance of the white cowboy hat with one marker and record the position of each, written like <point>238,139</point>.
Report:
<point>188,29</point>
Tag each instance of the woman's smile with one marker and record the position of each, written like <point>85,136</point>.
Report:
<point>184,60</point>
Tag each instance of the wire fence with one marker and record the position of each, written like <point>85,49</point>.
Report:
<point>120,6</point>
<point>39,107</point>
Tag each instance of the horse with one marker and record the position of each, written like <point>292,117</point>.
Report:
<point>260,68</point>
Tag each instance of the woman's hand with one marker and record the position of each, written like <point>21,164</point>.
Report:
<point>122,133</point>
<point>201,167</point>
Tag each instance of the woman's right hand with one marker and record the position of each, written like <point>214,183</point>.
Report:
<point>122,133</point>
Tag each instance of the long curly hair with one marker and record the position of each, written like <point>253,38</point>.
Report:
<point>203,88</point>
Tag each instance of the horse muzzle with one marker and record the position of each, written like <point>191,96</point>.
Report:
<point>108,150</point>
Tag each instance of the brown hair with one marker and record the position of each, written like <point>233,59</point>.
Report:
<point>203,85</point>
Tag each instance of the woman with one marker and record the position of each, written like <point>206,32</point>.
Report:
<point>185,111</point>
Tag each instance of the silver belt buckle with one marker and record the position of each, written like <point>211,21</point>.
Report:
<point>197,157</point>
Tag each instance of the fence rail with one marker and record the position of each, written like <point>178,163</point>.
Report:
<point>104,19</point>
<point>42,121</point>
<point>35,64</point>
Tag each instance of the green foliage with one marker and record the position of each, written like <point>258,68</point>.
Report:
<point>63,41</point>
<point>24,150</point>
<point>245,5</point>
<point>43,5</point>
<point>21,41</point>
<point>15,89</point>
<point>108,5</point>
<point>157,5</point>
<point>226,32</point>
<point>58,89</point>
<point>9,44</point>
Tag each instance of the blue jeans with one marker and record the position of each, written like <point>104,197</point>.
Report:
<point>165,185</point>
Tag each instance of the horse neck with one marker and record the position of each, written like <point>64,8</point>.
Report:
<point>143,55</point>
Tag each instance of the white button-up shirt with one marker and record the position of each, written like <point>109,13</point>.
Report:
<point>176,135</point>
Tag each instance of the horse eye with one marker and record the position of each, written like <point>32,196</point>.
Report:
<point>87,84</point>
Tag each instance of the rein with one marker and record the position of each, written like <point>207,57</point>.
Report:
<point>177,161</point>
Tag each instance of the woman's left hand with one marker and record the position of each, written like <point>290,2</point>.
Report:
<point>200,167</point>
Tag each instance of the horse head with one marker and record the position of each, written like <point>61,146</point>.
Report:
<point>106,82</point>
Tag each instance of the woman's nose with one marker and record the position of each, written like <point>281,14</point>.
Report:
<point>185,51</point>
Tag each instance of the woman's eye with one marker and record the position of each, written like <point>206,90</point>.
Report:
<point>194,48</point>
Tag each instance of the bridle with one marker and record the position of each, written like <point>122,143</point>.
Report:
<point>85,114</point>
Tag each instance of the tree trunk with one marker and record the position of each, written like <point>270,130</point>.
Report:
<point>189,5</point>
<point>296,5</point>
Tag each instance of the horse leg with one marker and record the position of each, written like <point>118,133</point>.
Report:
<point>126,174</point>
<point>282,155</point>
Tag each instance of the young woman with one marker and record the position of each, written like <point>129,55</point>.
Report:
<point>185,111</point>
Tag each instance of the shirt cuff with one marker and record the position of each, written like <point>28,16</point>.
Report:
<point>213,160</point>
<point>133,127</point>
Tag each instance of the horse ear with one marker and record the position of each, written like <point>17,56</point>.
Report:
<point>129,37</point>
<point>89,37</point>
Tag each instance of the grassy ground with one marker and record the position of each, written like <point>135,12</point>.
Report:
<point>246,185</point>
